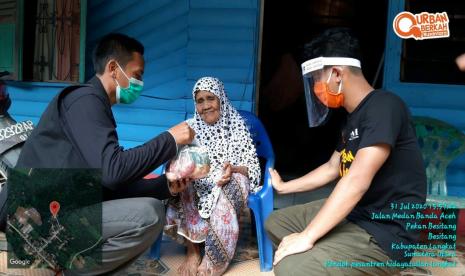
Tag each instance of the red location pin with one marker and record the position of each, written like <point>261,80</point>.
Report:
<point>54,208</point>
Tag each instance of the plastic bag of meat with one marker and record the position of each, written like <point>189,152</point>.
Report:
<point>190,162</point>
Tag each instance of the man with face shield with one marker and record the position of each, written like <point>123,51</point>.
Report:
<point>377,165</point>
<point>318,93</point>
<point>78,130</point>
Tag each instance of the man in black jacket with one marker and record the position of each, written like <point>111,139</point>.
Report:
<point>78,130</point>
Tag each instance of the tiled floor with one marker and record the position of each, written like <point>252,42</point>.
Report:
<point>172,256</point>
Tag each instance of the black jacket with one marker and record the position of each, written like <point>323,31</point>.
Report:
<point>78,130</point>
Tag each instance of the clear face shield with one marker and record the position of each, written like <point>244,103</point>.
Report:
<point>317,112</point>
<point>319,97</point>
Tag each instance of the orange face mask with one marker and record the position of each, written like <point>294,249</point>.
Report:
<point>326,96</point>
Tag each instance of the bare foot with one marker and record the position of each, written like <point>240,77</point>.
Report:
<point>202,269</point>
<point>206,268</point>
<point>192,261</point>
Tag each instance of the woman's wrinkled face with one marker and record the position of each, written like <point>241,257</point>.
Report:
<point>208,106</point>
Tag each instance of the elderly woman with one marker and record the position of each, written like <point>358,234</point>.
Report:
<point>208,210</point>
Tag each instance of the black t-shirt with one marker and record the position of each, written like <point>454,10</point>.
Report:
<point>383,118</point>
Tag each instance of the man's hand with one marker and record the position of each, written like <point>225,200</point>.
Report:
<point>177,186</point>
<point>292,244</point>
<point>460,60</point>
<point>183,134</point>
<point>276,181</point>
<point>227,172</point>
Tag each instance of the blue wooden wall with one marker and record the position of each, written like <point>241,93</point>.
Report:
<point>29,100</point>
<point>443,102</point>
<point>184,40</point>
<point>161,26</point>
<point>223,43</point>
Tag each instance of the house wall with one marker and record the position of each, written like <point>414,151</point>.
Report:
<point>443,102</point>
<point>183,40</point>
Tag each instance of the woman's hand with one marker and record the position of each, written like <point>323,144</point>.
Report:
<point>226,177</point>
<point>277,182</point>
<point>178,185</point>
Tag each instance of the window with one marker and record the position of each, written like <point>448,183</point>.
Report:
<point>8,58</point>
<point>44,39</point>
<point>433,60</point>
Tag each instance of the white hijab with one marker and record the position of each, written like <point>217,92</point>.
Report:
<point>227,140</point>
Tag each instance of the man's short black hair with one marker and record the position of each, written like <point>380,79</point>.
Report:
<point>334,42</point>
<point>115,46</point>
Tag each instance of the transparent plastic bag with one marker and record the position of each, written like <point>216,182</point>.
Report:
<point>191,162</point>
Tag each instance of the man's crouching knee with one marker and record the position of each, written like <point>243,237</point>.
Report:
<point>153,213</point>
<point>292,266</point>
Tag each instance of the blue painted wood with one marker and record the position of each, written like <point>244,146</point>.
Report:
<point>26,108</point>
<point>233,33</point>
<point>242,105</point>
<point>20,118</point>
<point>224,74</point>
<point>154,15</point>
<point>214,47</point>
<point>393,45</point>
<point>241,4</point>
<point>165,76</point>
<point>125,16</point>
<point>223,43</point>
<point>159,32</point>
<point>184,40</point>
<point>139,116</point>
<point>154,23</point>
<point>126,144</point>
<point>138,133</point>
<point>222,17</point>
<point>220,61</point>
<point>41,95</point>
<point>176,89</point>
<point>171,44</point>
<point>207,31</point>
<point>430,95</point>
<point>29,99</point>
<point>34,92</point>
<point>159,64</point>
<point>161,104</point>
<point>27,85</point>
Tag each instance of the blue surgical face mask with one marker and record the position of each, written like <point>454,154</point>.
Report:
<point>128,94</point>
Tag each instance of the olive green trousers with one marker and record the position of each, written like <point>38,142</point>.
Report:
<point>346,250</point>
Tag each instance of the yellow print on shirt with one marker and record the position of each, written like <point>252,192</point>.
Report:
<point>346,159</point>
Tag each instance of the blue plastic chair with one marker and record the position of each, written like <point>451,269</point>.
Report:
<point>261,203</point>
<point>156,247</point>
